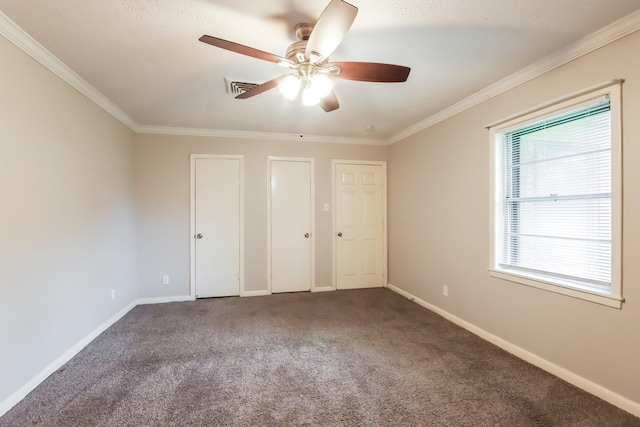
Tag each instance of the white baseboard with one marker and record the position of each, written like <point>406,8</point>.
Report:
<point>20,394</point>
<point>255,293</point>
<point>581,382</point>
<point>323,288</point>
<point>162,300</point>
<point>560,372</point>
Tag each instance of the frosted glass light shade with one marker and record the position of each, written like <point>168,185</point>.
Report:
<point>290,87</point>
<point>309,97</point>
<point>321,85</point>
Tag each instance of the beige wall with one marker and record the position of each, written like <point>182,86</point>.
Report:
<point>66,220</point>
<point>162,196</point>
<point>439,230</point>
<point>87,206</point>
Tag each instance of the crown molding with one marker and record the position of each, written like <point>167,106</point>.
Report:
<point>264,136</point>
<point>621,28</point>
<point>12,32</point>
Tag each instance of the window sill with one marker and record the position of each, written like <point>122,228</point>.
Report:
<point>536,282</point>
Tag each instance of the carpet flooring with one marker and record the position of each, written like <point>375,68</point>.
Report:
<point>347,358</point>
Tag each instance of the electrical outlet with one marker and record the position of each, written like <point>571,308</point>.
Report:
<point>113,294</point>
<point>445,290</point>
<point>165,280</point>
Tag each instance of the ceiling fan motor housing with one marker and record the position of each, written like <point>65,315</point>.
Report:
<point>303,31</point>
<point>295,52</point>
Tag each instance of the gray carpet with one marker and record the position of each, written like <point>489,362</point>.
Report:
<point>346,358</point>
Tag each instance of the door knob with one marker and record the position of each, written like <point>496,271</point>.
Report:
<point>306,235</point>
<point>198,236</point>
<point>339,233</point>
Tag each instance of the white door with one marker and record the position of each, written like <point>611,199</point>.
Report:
<point>216,225</point>
<point>360,215</point>
<point>291,224</point>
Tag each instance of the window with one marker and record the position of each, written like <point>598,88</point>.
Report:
<point>556,207</point>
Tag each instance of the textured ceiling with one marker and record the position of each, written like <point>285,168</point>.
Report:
<point>145,57</point>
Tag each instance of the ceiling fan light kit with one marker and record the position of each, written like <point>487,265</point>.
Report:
<point>321,85</point>
<point>290,87</point>
<point>309,98</point>
<point>308,60</point>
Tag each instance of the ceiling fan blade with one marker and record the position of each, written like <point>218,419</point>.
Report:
<point>371,72</point>
<point>262,88</point>
<point>330,102</point>
<point>242,49</point>
<point>332,26</point>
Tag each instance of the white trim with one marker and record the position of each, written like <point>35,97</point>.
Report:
<point>16,35</point>
<point>600,38</point>
<point>192,217</point>
<point>259,293</point>
<point>334,243</point>
<point>613,90</point>
<point>31,47</point>
<point>334,163</point>
<point>269,136</point>
<point>560,372</point>
<point>326,288</point>
<point>163,300</point>
<point>192,222</point>
<point>312,214</point>
<point>567,98</point>
<point>269,254</point>
<point>22,392</point>
<point>581,382</point>
<point>617,196</point>
<point>52,367</point>
<point>608,300</point>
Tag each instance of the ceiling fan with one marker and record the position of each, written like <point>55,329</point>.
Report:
<point>308,60</point>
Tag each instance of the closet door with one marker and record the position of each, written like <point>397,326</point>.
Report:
<point>216,226</point>
<point>360,213</point>
<point>291,240</point>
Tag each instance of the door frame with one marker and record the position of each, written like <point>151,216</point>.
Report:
<point>334,261</point>
<point>311,162</point>
<point>192,217</point>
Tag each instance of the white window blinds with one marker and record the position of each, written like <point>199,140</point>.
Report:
<point>554,196</point>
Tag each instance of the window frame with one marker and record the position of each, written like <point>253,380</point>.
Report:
<point>611,297</point>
